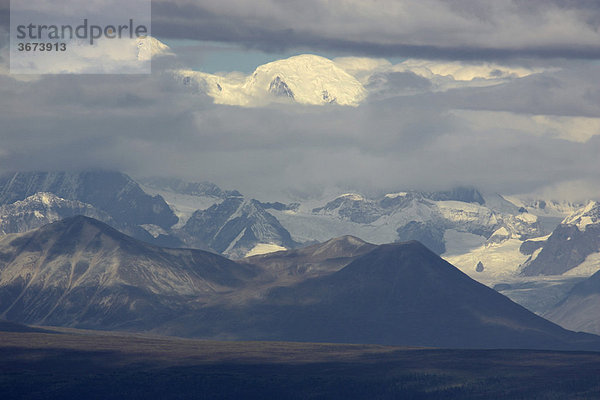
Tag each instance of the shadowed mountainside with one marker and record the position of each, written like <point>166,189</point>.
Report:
<point>395,294</point>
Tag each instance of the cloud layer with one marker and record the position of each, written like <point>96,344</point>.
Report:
<point>456,29</point>
<point>502,124</point>
<point>499,138</point>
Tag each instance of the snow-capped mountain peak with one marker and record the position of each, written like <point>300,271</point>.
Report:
<point>311,79</point>
<point>148,47</point>
<point>304,79</point>
<point>42,208</point>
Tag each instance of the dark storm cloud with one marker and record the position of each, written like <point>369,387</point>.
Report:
<point>433,29</point>
<point>465,29</point>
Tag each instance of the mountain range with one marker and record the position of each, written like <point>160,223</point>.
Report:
<point>177,213</point>
<point>79,272</point>
<point>533,251</point>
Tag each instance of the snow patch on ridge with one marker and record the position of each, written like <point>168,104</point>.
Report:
<point>264,248</point>
<point>149,47</point>
<point>396,195</point>
<point>353,196</point>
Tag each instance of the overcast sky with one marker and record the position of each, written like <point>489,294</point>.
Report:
<point>536,133</point>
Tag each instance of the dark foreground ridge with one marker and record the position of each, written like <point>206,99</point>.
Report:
<point>81,273</point>
<point>91,365</point>
<point>396,294</point>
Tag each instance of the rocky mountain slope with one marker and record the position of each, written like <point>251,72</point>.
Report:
<point>234,227</point>
<point>130,209</point>
<point>42,208</point>
<point>81,272</point>
<point>569,245</point>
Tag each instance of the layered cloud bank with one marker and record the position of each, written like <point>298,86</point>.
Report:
<point>297,126</point>
<point>457,29</point>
